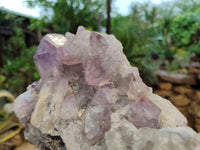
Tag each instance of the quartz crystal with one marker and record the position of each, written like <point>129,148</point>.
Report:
<point>144,113</point>
<point>89,97</point>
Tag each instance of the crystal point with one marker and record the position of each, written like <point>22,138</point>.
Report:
<point>144,113</point>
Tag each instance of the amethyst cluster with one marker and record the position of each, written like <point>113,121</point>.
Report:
<point>89,97</point>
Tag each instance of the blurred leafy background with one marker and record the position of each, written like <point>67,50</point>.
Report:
<point>154,36</point>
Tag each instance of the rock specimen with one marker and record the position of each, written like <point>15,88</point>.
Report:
<point>89,97</point>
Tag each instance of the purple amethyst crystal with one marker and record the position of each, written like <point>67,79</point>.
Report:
<point>144,113</point>
<point>25,103</point>
<point>89,97</point>
<point>97,122</point>
<point>45,57</point>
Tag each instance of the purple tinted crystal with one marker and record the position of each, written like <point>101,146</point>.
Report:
<point>75,50</point>
<point>47,65</point>
<point>70,108</point>
<point>105,95</point>
<point>45,57</point>
<point>144,113</point>
<point>97,122</point>
<point>24,105</point>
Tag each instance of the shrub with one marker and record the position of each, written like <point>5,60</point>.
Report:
<point>185,29</point>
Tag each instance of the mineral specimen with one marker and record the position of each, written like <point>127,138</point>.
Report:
<point>89,97</point>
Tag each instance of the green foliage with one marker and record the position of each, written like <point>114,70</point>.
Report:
<point>129,36</point>
<point>12,22</point>
<point>194,48</point>
<point>181,59</point>
<point>134,31</point>
<point>141,33</point>
<point>185,6</point>
<point>20,71</point>
<point>149,68</point>
<point>9,20</point>
<point>184,26</point>
<point>16,43</point>
<point>62,15</point>
<point>38,25</point>
<point>2,79</point>
<point>168,30</point>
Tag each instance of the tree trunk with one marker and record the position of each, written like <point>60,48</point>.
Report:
<point>108,16</point>
<point>1,52</point>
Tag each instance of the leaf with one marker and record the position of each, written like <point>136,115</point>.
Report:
<point>2,78</point>
<point>8,95</point>
<point>8,129</point>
